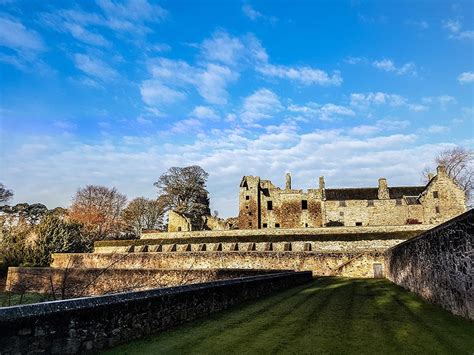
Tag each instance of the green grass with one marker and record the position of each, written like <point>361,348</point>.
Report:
<point>12,299</point>
<point>327,316</point>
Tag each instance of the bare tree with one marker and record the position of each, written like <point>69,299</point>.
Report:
<point>5,194</point>
<point>459,164</point>
<point>142,213</point>
<point>184,191</point>
<point>99,209</point>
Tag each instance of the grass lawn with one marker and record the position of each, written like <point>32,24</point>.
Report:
<point>8,299</point>
<point>327,316</point>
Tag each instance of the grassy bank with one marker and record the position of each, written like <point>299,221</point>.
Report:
<point>330,316</point>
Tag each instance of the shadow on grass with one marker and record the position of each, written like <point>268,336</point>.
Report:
<point>330,315</point>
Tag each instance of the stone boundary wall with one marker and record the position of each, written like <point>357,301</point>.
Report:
<point>290,231</point>
<point>337,246</point>
<point>73,282</point>
<point>438,265</point>
<point>88,325</point>
<point>348,264</point>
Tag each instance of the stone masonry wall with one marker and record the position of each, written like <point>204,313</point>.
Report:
<point>89,325</point>
<point>73,282</point>
<point>438,265</point>
<point>350,264</point>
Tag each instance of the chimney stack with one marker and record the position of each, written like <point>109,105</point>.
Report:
<point>322,184</point>
<point>288,181</point>
<point>441,170</point>
<point>383,189</point>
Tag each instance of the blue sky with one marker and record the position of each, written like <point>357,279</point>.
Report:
<point>115,92</point>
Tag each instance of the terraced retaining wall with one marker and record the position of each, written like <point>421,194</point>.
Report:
<point>284,232</point>
<point>88,325</point>
<point>349,264</point>
<point>438,265</point>
<point>74,282</point>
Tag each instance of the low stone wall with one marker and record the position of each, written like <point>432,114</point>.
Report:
<point>438,265</point>
<point>337,246</point>
<point>349,264</point>
<point>73,282</point>
<point>291,231</point>
<point>88,325</point>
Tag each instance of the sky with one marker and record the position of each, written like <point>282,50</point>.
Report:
<point>116,92</point>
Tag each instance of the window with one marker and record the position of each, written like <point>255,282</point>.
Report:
<point>306,225</point>
<point>247,197</point>
<point>370,203</point>
<point>398,202</point>
<point>269,205</point>
<point>247,206</point>
<point>250,213</point>
<point>277,225</point>
<point>250,224</point>
<point>304,204</point>
<point>341,214</point>
<point>435,194</point>
<point>342,203</point>
<point>359,224</point>
<point>265,225</point>
<point>437,209</point>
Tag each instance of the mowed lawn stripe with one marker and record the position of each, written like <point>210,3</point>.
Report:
<point>328,316</point>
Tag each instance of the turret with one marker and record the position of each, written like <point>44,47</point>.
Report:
<point>383,189</point>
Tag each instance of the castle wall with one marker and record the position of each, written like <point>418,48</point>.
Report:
<point>74,282</point>
<point>450,200</point>
<point>89,325</point>
<point>350,264</point>
<point>382,213</point>
<point>178,223</point>
<point>437,265</point>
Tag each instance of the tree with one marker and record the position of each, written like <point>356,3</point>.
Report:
<point>99,209</point>
<point>5,194</point>
<point>142,213</point>
<point>26,212</point>
<point>57,235</point>
<point>184,191</point>
<point>459,163</point>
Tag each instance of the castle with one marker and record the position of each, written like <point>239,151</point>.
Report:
<point>264,205</point>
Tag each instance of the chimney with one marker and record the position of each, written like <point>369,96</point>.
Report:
<point>288,181</point>
<point>441,170</point>
<point>322,187</point>
<point>322,184</point>
<point>383,189</point>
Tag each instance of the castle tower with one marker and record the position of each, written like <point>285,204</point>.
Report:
<point>249,203</point>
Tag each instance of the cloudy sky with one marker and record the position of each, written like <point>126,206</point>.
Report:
<point>114,93</point>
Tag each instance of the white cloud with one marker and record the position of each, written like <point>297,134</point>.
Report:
<point>82,34</point>
<point>437,129</point>
<point>95,67</point>
<point>324,112</point>
<point>186,126</point>
<point>255,15</point>
<point>154,93</point>
<point>262,104</point>
<point>24,43</point>
<point>444,101</point>
<point>172,77</point>
<point>466,77</point>
<point>204,112</point>
<point>304,75</point>
<point>371,99</point>
<point>388,65</point>
<point>222,47</point>
<point>454,27</point>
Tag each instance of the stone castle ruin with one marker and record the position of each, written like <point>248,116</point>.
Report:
<point>264,205</point>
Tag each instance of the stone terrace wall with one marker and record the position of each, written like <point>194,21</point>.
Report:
<point>88,325</point>
<point>438,265</point>
<point>350,264</point>
<point>291,232</point>
<point>73,282</point>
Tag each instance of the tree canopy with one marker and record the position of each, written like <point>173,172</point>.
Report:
<point>184,191</point>
<point>5,194</point>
